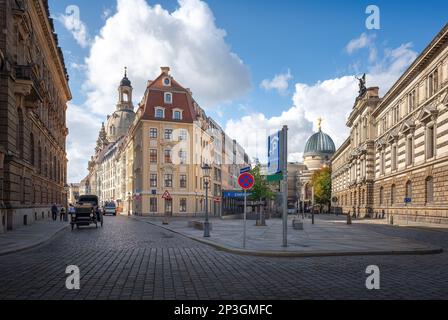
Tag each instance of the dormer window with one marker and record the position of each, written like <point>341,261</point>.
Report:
<point>177,115</point>
<point>159,113</point>
<point>168,98</point>
<point>167,82</point>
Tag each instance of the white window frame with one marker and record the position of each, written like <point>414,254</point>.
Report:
<point>165,95</point>
<point>166,85</point>
<point>180,112</point>
<point>159,109</point>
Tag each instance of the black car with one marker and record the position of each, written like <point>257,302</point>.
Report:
<point>86,212</point>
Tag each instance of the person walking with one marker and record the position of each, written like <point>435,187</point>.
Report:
<point>62,214</point>
<point>54,212</point>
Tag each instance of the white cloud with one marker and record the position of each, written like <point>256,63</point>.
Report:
<point>144,38</point>
<point>280,83</point>
<point>331,99</point>
<point>364,41</point>
<point>83,130</point>
<point>77,28</point>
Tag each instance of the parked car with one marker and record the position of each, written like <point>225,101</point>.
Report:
<point>110,208</point>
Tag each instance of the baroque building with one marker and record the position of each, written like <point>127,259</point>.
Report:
<point>169,142</point>
<point>395,162</point>
<point>107,166</point>
<point>34,92</point>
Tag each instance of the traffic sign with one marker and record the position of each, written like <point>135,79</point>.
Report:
<point>274,155</point>
<point>246,181</point>
<point>166,196</point>
<point>245,169</point>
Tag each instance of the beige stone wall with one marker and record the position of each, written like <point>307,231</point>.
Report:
<point>33,96</point>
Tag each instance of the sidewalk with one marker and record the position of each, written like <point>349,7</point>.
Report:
<point>328,237</point>
<point>30,236</point>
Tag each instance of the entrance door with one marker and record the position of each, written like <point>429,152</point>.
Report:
<point>168,207</point>
<point>9,222</point>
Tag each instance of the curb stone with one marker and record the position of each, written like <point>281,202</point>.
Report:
<point>34,245</point>
<point>291,254</point>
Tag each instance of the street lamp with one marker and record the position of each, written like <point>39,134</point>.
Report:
<point>206,173</point>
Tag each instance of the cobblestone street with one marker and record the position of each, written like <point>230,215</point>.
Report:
<point>131,260</point>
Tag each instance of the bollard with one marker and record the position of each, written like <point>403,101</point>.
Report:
<point>349,219</point>
<point>391,220</point>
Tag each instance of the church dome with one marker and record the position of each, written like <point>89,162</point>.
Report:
<point>118,124</point>
<point>319,144</point>
<point>125,82</point>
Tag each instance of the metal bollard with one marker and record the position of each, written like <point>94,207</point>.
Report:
<point>349,219</point>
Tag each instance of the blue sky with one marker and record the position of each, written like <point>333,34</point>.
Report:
<point>305,40</point>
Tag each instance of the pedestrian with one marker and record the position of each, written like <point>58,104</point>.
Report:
<point>54,212</point>
<point>62,214</point>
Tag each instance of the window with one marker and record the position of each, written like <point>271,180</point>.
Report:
<point>430,142</point>
<point>183,205</point>
<point>409,150</point>
<point>182,157</point>
<point>183,181</point>
<point>429,190</point>
<point>168,98</point>
<point>153,156</point>
<point>183,135</point>
<point>436,81</point>
<point>168,158</point>
<point>411,101</point>
<point>168,180</point>
<point>382,162</point>
<point>381,196</point>
<point>160,113</point>
<point>153,133</point>
<point>167,82</point>
<point>430,85</point>
<point>394,157</point>
<point>177,115</point>
<point>153,181</point>
<point>409,189</point>
<point>153,205</point>
<point>32,151</point>
<point>168,134</point>
<point>392,194</point>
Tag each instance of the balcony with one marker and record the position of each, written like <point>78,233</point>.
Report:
<point>27,84</point>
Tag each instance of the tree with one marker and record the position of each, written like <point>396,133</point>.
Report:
<point>261,189</point>
<point>321,181</point>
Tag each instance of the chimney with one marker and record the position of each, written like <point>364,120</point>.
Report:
<point>373,92</point>
<point>165,70</point>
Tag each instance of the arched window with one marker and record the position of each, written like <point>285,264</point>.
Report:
<point>392,194</point>
<point>409,189</point>
<point>429,190</point>
<point>381,196</point>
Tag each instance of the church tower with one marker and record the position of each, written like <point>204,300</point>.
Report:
<point>121,120</point>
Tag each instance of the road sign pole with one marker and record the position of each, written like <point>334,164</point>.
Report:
<point>285,185</point>
<point>245,219</point>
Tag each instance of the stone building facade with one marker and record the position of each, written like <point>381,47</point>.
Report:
<point>407,155</point>
<point>34,92</point>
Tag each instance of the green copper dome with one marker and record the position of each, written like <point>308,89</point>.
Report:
<point>319,144</point>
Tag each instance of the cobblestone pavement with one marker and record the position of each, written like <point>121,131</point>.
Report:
<point>131,260</point>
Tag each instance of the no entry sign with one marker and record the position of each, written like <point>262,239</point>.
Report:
<point>246,181</point>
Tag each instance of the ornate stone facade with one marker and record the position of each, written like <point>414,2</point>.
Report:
<point>406,155</point>
<point>34,91</point>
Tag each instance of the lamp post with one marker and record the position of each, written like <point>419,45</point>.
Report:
<point>129,204</point>
<point>206,173</point>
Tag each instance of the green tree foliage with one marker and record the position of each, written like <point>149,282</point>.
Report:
<point>321,181</point>
<point>261,189</point>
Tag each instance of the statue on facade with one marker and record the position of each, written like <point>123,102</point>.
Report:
<point>362,85</point>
